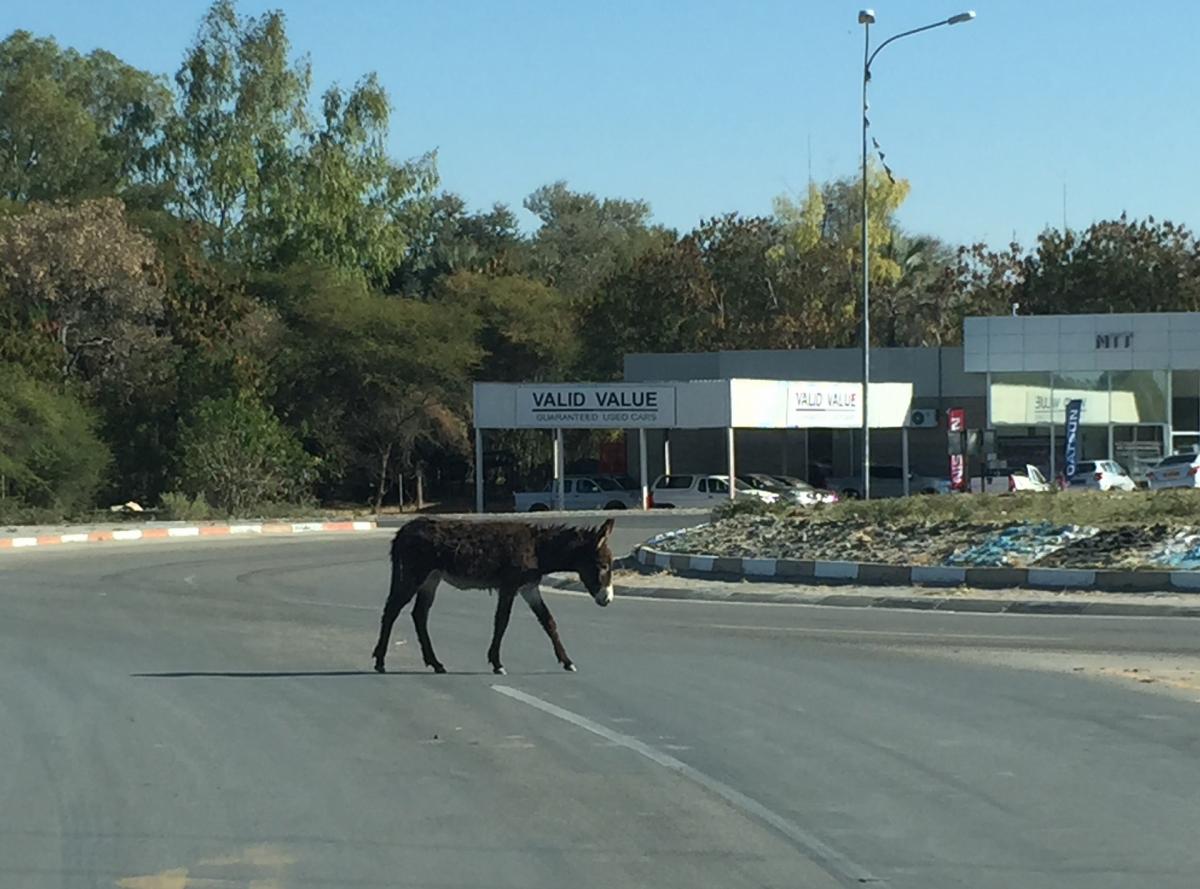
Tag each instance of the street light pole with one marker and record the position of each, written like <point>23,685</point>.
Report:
<point>866,18</point>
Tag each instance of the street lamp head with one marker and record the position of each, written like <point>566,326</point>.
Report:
<point>867,16</point>
<point>960,18</point>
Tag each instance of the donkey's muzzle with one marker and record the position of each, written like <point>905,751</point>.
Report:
<point>605,596</point>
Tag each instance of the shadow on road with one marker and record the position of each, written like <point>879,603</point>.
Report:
<point>283,674</point>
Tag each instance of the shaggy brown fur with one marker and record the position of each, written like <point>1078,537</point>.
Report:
<point>509,557</point>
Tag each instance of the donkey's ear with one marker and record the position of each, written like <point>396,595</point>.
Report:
<point>606,531</point>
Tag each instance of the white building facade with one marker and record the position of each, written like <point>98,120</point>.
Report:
<point>1138,376</point>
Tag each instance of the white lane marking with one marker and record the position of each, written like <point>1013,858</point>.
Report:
<point>183,532</point>
<point>363,526</point>
<point>245,529</point>
<point>24,541</point>
<point>929,634</point>
<point>127,535</point>
<point>815,849</point>
<point>74,538</point>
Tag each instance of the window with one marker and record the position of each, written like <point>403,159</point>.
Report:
<point>607,484</point>
<point>585,486</point>
<point>717,486</point>
<point>1178,460</point>
<point>674,482</point>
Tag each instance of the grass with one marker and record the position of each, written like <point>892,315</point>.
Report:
<point>1095,508</point>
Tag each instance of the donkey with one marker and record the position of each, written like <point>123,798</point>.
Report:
<point>509,557</point>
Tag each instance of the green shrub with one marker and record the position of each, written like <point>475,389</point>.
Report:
<point>51,458</point>
<point>747,506</point>
<point>235,454</point>
<point>175,506</point>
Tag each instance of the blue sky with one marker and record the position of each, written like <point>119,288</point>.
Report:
<point>703,107</point>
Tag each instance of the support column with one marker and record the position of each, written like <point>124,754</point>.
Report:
<point>559,498</point>
<point>666,452</point>
<point>642,477</point>
<point>732,462</point>
<point>478,470</point>
<point>904,457</point>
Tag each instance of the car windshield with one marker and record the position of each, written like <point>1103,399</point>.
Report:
<point>607,484</point>
<point>1179,460</point>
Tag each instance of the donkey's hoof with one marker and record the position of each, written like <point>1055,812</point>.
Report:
<point>438,668</point>
<point>570,668</point>
<point>379,667</point>
<point>499,670</point>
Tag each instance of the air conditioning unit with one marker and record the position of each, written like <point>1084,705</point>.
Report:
<point>923,418</point>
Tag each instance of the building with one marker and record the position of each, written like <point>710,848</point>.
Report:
<point>1137,375</point>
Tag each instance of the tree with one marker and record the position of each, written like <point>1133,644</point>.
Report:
<point>234,452</point>
<point>832,215</point>
<point>246,159</point>
<point>526,330</point>
<point>50,454</point>
<point>369,377</point>
<point>240,103</point>
<point>452,240</point>
<point>75,126</point>
<point>1113,266</point>
<point>83,279</point>
<point>584,240</point>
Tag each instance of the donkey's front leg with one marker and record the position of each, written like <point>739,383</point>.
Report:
<point>533,595</point>
<point>504,604</point>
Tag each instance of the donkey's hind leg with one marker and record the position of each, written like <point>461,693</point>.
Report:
<point>421,622</point>
<point>403,588</point>
<point>504,604</point>
<point>532,595</point>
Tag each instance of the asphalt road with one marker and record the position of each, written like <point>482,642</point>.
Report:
<point>203,715</point>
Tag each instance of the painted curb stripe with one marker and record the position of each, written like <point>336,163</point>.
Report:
<point>1061,577</point>
<point>186,532</point>
<point>759,567</point>
<point>836,570</point>
<point>939,574</point>
<point>1185,580</point>
<point>1148,581</point>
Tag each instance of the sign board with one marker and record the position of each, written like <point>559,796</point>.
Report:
<point>957,418</point>
<point>824,405</point>
<point>1074,411</point>
<point>595,406</point>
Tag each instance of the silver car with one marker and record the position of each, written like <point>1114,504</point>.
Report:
<point>1176,471</point>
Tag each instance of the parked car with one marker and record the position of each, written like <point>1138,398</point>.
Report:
<point>888,481</point>
<point>1002,480</point>
<point>1100,475</point>
<point>1175,471</point>
<point>1029,480</point>
<point>684,491</point>
<point>789,488</point>
<point>580,492</point>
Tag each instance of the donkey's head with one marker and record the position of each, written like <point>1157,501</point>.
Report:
<point>593,561</point>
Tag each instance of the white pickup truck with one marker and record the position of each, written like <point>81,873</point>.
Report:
<point>580,492</point>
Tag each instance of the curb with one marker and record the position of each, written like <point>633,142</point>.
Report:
<point>1101,580</point>
<point>183,532</point>
<point>909,603</point>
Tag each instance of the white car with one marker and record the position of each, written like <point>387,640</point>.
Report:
<point>1176,471</point>
<point>580,492</point>
<point>888,481</point>
<point>795,489</point>
<point>684,491</point>
<point>1100,475</point>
